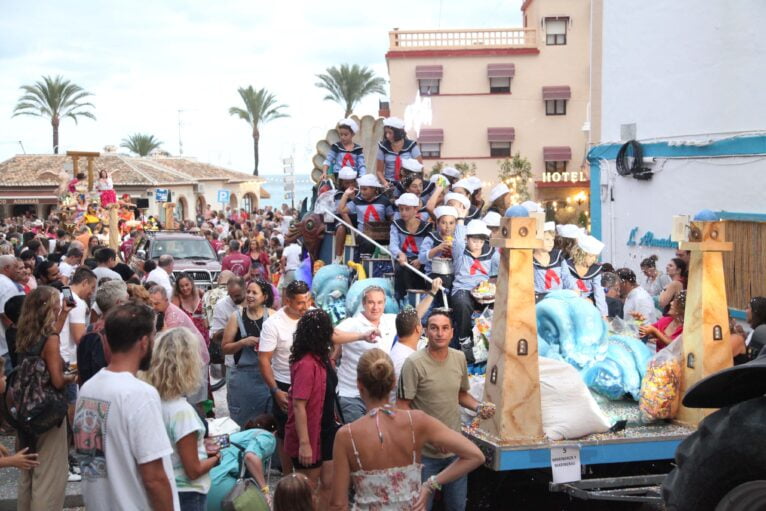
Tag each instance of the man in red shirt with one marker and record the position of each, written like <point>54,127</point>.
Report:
<point>237,262</point>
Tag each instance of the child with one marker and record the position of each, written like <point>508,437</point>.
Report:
<point>346,180</point>
<point>393,150</point>
<point>550,269</point>
<point>492,219</point>
<point>410,168</point>
<point>369,205</point>
<point>414,184</point>
<point>21,459</point>
<point>345,153</point>
<point>406,239</point>
<point>500,198</point>
<point>467,187</point>
<point>585,273</point>
<point>293,493</point>
<point>475,261</point>
<point>106,188</point>
<point>438,243</point>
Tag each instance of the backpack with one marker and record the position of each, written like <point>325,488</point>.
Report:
<point>31,404</point>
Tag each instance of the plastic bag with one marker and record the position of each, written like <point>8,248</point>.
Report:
<point>482,330</point>
<point>661,386</point>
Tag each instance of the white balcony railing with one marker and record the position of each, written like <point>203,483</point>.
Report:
<point>413,40</point>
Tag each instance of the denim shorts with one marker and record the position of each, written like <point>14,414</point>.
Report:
<point>71,393</point>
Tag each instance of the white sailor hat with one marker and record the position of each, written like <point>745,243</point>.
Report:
<point>466,184</point>
<point>412,165</point>
<point>445,211</point>
<point>347,173</point>
<point>590,245</point>
<point>549,226</point>
<point>531,206</point>
<point>369,180</point>
<point>451,172</point>
<point>462,199</point>
<point>477,228</point>
<point>350,124</point>
<point>408,199</point>
<point>498,191</point>
<point>568,231</point>
<point>394,122</point>
<point>475,181</point>
<point>492,219</point>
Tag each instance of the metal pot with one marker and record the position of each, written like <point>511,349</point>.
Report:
<point>442,266</point>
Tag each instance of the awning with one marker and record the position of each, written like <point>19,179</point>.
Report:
<point>429,72</point>
<point>556,92</point>
<point>501,70</point>
<point>501,134</point>
<point>431,136</point>
<point>557,153</point>
<point>263,193</point>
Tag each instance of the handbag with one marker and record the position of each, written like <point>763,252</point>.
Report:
<point>245,495</point>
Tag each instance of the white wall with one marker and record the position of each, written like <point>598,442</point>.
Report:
<point>679,187</point>
<point>683,67</point>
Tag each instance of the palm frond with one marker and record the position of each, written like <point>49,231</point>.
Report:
<point>349,84</point>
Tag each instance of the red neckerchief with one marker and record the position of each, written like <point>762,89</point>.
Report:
<point>409,243</point>
<point>581,285</point>
<point>398,167</point>
<point>371,212</point>
<point>348,160</point>
<point>477,266</point>
<point>550,277</point>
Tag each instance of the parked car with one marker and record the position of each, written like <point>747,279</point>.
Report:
<point>192,253</point>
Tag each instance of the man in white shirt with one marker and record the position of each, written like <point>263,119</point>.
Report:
<point>161,274</point>
<point>291,259</point>
<point>637,300</point>
<point>70,262</point>
<point>224,308</point>
<point>118,429</point>
<point>9,274</point>
<point>106,259</point>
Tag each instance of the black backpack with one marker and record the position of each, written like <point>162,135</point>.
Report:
<point>31,404</point>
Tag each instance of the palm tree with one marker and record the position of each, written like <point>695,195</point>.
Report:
<point>260,107</point>
<point>55,98</point>
<point>140,143</point>
<point>349,84</point>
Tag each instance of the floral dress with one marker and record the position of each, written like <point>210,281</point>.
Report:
<point>389,489</point>
<point>198,318</point>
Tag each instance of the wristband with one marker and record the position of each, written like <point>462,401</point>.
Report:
<point>273,390</point>
<point>265,490</point>
<point>432,484</point>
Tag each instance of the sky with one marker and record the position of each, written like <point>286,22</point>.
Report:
<point>146,60</point>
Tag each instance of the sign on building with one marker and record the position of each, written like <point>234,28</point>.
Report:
<point>224,196</point>
<point>162,195</point>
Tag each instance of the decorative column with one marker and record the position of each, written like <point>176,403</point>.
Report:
<point>114,230</point>
<point>706,343</point>
<point>513,377</point>
<point>170,221</point>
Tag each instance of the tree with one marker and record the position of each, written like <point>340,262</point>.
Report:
<point>516,172</point>
<point>349,84</point>
<point>466,169</point>
<point>140,143</point>
<point>260,107</point>
<point>56,98</point>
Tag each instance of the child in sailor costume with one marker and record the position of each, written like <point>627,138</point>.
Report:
<point>438,244</point>
<point>369,205</point>
<point>389,160</point>
<point>410,169</point>
<point>475,261</point>
<point>550,266</point>
<point>406,240</point>
<point>585,274</point>
<point>345,153</point>
<point>500,198</point>
<point>346,180</point>
<point>467,187</point>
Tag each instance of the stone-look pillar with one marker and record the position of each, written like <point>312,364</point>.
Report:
<point>706,343</point>
<point>90,173</point>
<point>513,376</point>
<point>114,230</point>
<point>170,221</point>
<point>75,165</point>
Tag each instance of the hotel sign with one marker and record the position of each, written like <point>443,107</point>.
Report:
<point>564,177</point>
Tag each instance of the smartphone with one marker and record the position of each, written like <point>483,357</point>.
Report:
<point>216,443</point>
<point>66,292</point>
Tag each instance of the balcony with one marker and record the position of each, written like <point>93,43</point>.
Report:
<point>480,38</point>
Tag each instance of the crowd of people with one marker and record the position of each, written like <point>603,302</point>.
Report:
<point>361,414</point>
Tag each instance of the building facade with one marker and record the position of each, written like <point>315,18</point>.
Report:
<point>480,96</point>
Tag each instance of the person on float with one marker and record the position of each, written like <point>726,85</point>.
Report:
<point>467,187</point>
<point>438,244</point>
<point>393,149</point>
<point>346,180</point>
<point>91,217</point>
<point>414,184</point>
<point>443,197</point>
<point>369,205</point>
<point>345,152</point>
<point>410,167</point>
<point>106,187</point>
<point>405,243</point>
<point>451,173</point>
<point>492,220</point>
<point>476,196</point>
<point>499,198</point>
<point>566,238</point>
<point>550,268</point>
<point>475,261</point>
<point>585,273</point>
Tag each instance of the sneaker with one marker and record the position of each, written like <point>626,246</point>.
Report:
<point>74,478</point>
<point>74,467</point>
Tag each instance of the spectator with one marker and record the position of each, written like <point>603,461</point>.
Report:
<point>655,280</point>
<point>755,340</point>
<point>174,372</point>
<point>106,259</point>
<point>311,426</point>
<point>383,448</point>
<point>289,263</point>
<point>611,284</point>
<point>293,493</point>
<point>637,300</point>
<point>161,274</point>
<point>247,393</point>
<point>435,381</point>
<point>669,327</point>
<point>70,262</point>
<point>685,256</point>
<point>8,289</point>
<point>23,460</point>
<point>224,308</point>
<point>677,271</point>
<point>124,466</point>
<point>42,316</point>
<point>47,274</point>
<point>188,297</point>
<point>259,256</point>
<point>236,262</point>
<point>93,351</point>
<point>274,355</point>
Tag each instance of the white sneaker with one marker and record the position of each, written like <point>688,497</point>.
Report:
<point>74,478</point>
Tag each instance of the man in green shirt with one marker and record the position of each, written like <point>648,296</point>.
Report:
<point>435,381</point>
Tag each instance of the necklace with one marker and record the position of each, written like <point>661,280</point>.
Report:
<point>387,409</point>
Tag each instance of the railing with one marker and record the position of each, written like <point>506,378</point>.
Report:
<point>413,40</point>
